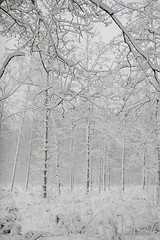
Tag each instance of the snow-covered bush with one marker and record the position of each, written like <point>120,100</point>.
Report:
<point>10,224</point>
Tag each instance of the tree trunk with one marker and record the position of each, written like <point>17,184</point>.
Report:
<point>72,157</point>
<point>17,152</point>
<point>88,158</point>
<point>123,155</point>
<point>158,182</point>
<point>105,167</point>
<point>131,174</point>
<point>158,151</point>
<point>46,136</point>
<point>1,115</point>
<point>100,173</point>
<point>109,174</point>
<point>91,175</point>
<point>58,170</point>
<point>30,157</point>
<point>144,168</point>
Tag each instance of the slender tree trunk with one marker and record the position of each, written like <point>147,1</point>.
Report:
<point>91,162</point>
<point>46,139</point>
<point>88,157</point>
<point>131,173</point>
<point>30,156</point>
<point>58,179</point>
<point>158,150</point>
<point>123,155</point>
<point>91,175</point>
<point>100,173</point>
<point>158,182</point>
<point>105,166</point>
<point>1,115</point>
<point>72,163</point>
<point>123,170</point>
<point>109,174</point>
<point>17,152</point>
<point>72,157</point>
<point>156,45</point>
<point>71,160</point>
<point>88,135</point>
<point>144,167</point>
<point>106,170</point>
<point>58,170</point>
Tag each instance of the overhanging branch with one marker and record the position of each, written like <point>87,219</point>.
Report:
<point>111,13</point>
<point>16,53</point>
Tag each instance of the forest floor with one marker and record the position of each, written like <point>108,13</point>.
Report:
<point>111,215</point>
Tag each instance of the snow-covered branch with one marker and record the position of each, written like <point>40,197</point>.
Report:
<point>108,10</point>
<point>10,94</point>
<point>16,53</point>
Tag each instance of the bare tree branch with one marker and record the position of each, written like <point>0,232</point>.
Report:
<point>16,53</point>
<point>104,7</point>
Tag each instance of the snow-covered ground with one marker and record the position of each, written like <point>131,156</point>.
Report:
<point>111,215</point>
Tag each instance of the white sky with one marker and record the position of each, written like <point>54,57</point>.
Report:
<point>108,32</point>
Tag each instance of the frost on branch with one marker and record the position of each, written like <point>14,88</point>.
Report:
<point>16,53</point>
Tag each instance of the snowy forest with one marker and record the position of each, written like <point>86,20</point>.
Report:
<point>80,120</point>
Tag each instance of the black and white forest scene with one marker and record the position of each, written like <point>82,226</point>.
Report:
<point>79,119</point>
